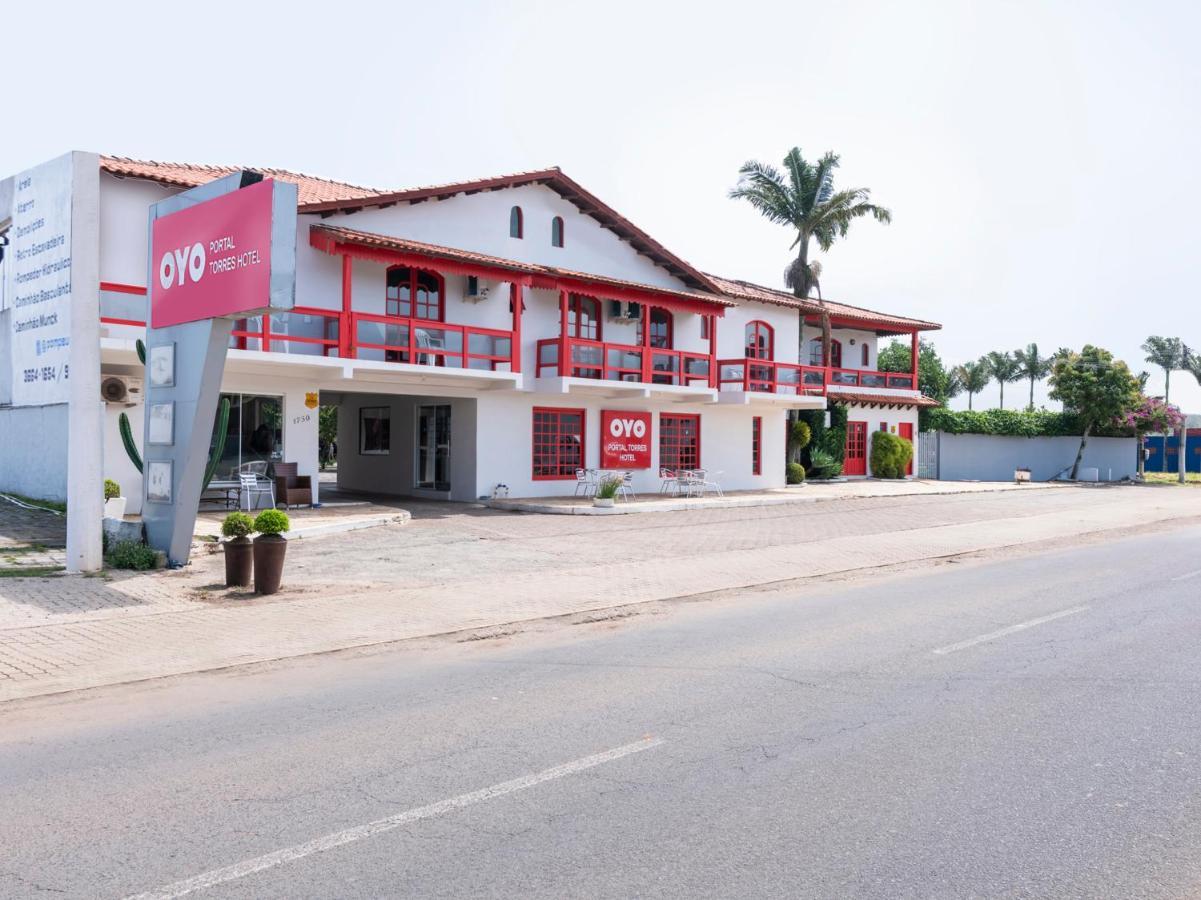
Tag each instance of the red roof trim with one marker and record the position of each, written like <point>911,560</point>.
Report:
<point>864,399</point>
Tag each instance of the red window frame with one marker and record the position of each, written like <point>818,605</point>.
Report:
<point>864,355</point>
<point>815,352</point>
<point>576,304</point>
<point>557,448</point>
<point>704,328</point>
<point>556,231</point>
<point>679,441</point>
<point>662,330</point>
<point>516,223</point>
<point>760,340</point>
<point>757,445</point>
<point>420,307</point>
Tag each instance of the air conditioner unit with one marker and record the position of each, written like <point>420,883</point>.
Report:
<point>121,389</point>
<point>624,310</point>
<point>475,291</point>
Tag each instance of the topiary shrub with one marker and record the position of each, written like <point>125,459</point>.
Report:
<point>795,473</point>
<point>131,555</point>
<point>824,465</point>
<point>237,524</point>
<point>890,455</point>
<point>799,435</point>
<point>272,521</point>
<point>111,489</point>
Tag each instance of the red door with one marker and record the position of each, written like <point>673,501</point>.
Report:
<point>855,458</point>
<point>906,431</point>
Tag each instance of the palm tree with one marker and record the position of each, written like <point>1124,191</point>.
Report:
<point>1033,366</point>
<point>973,377</point>
<point>1004,368</point>
<point>1168,353</point>
<point>802,197</point>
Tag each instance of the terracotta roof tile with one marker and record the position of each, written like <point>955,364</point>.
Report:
<point>312,190</point>
<point>864,397</point>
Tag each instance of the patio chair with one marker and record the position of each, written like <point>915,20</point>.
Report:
<point>670,482</point>
<point>252,487</point>
<point>291,488</point>
<point>625,489</point>
<point>585,481</point>
<point>687,482</point>
<point>707,483</point>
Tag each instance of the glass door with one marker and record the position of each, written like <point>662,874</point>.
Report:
<point>433,447</point>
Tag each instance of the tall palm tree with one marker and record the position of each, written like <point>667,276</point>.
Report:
<point>1033,366</point>
<point>802,197</point>
<point>1168,353</point>
<point>973,377</point>
<point>1003,368</point>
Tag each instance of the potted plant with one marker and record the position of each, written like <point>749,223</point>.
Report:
<point>269,549</point>
<point>114,503</point>
<point>239,551</point>
<point>606,491</point>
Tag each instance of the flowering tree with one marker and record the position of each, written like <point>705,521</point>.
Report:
<point>1152,416</point>
<point>1094,386</point>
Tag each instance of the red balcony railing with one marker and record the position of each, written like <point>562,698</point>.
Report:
<point>624,362</point>
<point>770,377</point>
<point>428,343</point>
<point>302,331</point>
<point>871,378</point>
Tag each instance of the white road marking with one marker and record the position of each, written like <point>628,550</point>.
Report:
<point>358,833</point>
<point>1187,575</point>
<point>1001,632</point>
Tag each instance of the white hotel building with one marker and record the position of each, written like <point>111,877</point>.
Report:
<point>471,335</point>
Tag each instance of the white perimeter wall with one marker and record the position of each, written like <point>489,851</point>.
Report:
<point>988,457</point>
<point>33,450</point>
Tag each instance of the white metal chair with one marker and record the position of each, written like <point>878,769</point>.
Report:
<point>251,487</point>
<point>706,483</point>
<point>687,482</point>
<point>625,489</point>
<point>669,482</point>
<point>585,482</point>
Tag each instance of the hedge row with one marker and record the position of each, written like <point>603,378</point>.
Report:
<point>1013,423</point>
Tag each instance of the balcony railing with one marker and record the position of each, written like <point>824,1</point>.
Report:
<point>431,343</point>
<point>301,331</point>
<point>871,378</point>
<point>770,377</point>
<point>624,362</point>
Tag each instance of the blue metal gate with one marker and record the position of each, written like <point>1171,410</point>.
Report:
<point>1155,457</point>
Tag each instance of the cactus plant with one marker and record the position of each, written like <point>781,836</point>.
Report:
<point>141,348</point>
<point>127,439</point>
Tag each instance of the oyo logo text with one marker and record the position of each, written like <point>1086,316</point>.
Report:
<point>178,266</point>
<point>627,427</point>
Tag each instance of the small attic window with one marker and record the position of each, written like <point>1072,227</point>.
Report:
<point>516,223</point>
<point>556,231</point>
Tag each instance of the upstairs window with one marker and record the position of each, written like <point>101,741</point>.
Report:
<point>583,317</point>
<point>865,355</point>
<point>556,231</point>
<point>758,340</point>
<point>815,353</point>
<point>414,294</point>
<point>660,329</point>
<point>516,223</point>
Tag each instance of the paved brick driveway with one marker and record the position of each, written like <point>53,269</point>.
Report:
<point>454,567</point>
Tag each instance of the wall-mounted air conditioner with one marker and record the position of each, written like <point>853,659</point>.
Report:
<point>121,389</point>
<point>475,292</point>
<point>625,311</point>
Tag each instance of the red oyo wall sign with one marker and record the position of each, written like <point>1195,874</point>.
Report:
<point>212,259</point>
<point>625,440</point>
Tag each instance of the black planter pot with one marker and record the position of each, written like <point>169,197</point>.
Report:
<point>239,562</point>
<point>269,552</point>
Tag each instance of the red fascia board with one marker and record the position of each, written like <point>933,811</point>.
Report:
<point>889,328</point>
<point>391,257</point>
<point>603,291</point>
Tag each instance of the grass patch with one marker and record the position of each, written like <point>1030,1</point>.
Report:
<point>1192,479</point>
<point>31,572</point>
<point>48,505</point>
<point>18,549</point>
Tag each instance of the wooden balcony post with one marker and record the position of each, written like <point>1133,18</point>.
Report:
<point>713,351</point>
<point>516,298</point>
<point>915,354</point>
<point>346,320</point>
<point>265,336</point>
<point>646,343</point>
<point>564,368</point>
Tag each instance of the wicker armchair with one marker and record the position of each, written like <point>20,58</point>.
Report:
<point>292,489</point>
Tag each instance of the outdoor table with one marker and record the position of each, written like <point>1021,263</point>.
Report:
<point>231,489</point>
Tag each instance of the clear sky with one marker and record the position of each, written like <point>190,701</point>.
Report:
<point>1041,158</point>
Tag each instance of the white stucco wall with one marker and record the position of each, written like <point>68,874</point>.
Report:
<point>33,450</point>
<point>878,419</point>
<point>124,216</point>
<point>986,457</point>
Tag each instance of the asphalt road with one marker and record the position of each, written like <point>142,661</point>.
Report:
<point>1027,727</point>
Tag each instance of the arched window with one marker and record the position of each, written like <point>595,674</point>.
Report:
<point>815,353</point>
<point>583,317</point>
<point>414,294</point>
<point>556,231</point>
<point>758,340</point>
<point>516,223</point>
<point>865,353</point>
<point>661,329</point>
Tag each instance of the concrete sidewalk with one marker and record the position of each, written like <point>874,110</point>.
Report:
<point>480,568</point>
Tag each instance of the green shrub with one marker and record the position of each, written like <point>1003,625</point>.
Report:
<point>799,435</point>
<point>237,524</point>
<point>795,473</point>
<point>890,455</point>
<point>824,465</point>
<point>111,489</point>
<point>131,555</point>
<point>608,487</point>
<point>272,521</point>
<point>1014,423</point>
